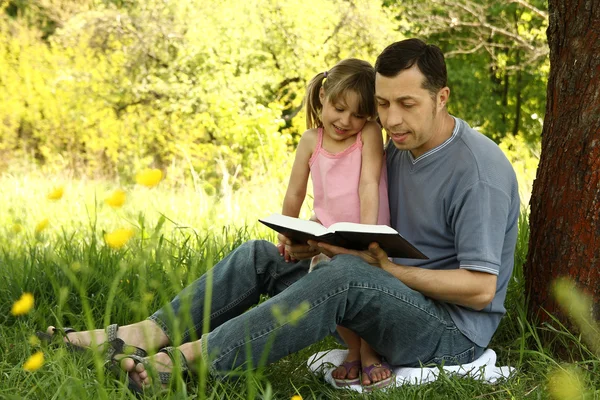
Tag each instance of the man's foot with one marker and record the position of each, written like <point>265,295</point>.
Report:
<point>145,335</point>
<point>159,362</point>
<point>142,371</point>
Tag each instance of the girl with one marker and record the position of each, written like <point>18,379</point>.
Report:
<point>342,151</point>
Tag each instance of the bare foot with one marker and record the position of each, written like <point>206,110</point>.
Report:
<point>379,373</point>
<point>159,362</point>
<point>352,373</point>
<point>145,334</point>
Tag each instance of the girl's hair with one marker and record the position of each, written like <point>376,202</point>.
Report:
<point>349,74</point>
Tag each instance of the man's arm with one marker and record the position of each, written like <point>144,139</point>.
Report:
<point>467,288</point>
<point>473,289</point>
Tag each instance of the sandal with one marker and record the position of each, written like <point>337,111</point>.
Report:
<point>379,384</point>
<point>47,338</point>
<point>115,344</point>
<point>348,365</point>
<point>159,378</point>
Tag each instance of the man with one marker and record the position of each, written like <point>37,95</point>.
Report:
<point>452,193</point>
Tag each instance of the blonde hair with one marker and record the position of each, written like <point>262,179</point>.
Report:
<point>349,74</point>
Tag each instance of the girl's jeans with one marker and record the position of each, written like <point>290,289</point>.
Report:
<point>399,323</point>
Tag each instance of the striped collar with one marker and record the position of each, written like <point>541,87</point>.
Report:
<point>438,148</point>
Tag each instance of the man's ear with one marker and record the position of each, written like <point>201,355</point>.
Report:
<point>442,97</point>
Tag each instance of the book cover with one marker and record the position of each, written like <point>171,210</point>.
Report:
<point>344,234</point>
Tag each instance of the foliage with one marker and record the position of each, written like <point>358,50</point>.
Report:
<point>115,87</point>
<point>497,58</point>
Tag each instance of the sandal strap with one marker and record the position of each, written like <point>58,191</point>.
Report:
<point>174,353</point>
<point>368,370</point>
<point>118,346</point>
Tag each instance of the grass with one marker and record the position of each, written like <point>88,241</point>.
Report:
<point>78,281</point>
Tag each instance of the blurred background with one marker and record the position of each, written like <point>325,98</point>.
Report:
<point>211,91</point>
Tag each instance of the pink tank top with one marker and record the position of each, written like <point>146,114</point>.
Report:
<point>336,178</point>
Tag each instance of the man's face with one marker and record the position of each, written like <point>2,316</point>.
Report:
<point>408,112</point>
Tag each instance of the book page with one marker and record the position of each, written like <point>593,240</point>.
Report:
<point>303,225</point>
<point>354,227</point>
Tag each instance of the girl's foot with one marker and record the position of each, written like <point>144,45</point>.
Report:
<point>350,369</point>
<point>145,335</point>
<point>378,373</point>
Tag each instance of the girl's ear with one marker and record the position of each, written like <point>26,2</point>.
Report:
<point>322,95</point>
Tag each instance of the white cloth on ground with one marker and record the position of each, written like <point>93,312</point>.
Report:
<point>484,368</point>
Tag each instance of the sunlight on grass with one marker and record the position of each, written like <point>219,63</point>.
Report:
<point>93,253</point>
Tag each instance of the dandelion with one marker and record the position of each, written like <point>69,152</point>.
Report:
<point>34,362</point>
<point>116,199</point>
<point>43,224</point>
<point>23,305</point>
<point>17,228</point>
<point>296,397</point>
<point>56,193</point>
<point>34,341</point>
<point>566,384</point>
<point>149,177</point>
<point>118,238</point>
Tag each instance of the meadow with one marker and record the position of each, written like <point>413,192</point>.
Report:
<point>53,244</point>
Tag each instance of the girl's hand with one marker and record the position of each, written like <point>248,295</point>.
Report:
<point>374,255</point>
<point>294,252</point>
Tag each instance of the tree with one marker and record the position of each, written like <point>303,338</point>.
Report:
<point>493,47</point>
<point>565,203</point>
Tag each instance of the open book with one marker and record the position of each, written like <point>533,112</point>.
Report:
<point>344,234</point>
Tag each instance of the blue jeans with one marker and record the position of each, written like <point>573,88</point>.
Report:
<point>402,325</point>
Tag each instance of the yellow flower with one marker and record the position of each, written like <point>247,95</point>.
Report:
<point>56,193</point>
<point>149,177</point>
<point>566,383</point>
<point>17,228</point>
<point>23,305</point>
<point>118,238</point>
<point>116,199</point>
<point>296,397</point>
<point>43,224</point>
<point>34,341</point>
<point>76,266</point>
<point>34,362</point>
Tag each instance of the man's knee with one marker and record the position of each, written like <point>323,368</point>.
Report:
<point>342,267</point>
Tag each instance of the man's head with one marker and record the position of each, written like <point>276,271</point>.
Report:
<point>403,55</point>
<point>411,92</point>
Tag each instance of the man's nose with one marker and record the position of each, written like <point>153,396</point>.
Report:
<point>394,117</point>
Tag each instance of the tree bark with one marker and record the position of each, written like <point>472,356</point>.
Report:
<point>565,202</point>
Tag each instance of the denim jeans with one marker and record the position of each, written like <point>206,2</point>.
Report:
<point>402,325</point>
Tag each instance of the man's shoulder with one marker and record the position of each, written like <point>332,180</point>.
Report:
<point>479,151</point>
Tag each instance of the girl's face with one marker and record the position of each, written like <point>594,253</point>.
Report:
<point>341,119</point>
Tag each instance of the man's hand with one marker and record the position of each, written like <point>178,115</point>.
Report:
<point>374,255</point>
<point>293,251</point>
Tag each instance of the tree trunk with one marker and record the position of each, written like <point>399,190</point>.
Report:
<point>565,202</point>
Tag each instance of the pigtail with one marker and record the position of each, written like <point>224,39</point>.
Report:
<point>313,102</point>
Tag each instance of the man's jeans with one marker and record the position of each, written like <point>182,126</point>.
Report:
<point>401,324</point>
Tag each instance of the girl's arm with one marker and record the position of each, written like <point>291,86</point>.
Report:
<point>372,159</point>
<point>296,190</point>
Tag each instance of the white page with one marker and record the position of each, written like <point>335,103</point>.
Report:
<point>354,227</point>
<point>303,225</point>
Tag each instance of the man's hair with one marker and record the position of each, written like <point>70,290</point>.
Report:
<point>350,74</point>
<point>404,54</point>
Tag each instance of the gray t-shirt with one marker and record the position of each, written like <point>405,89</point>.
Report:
<point>459,204</point>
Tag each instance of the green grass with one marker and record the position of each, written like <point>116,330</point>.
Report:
<point>78,281</point>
